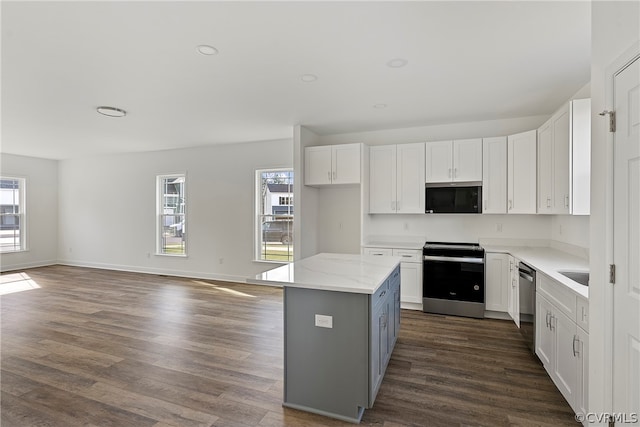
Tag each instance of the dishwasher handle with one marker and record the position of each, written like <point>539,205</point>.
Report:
<point>526,276</point>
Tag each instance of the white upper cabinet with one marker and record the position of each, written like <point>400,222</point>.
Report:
<point>545,168</point>
<point>494,175</point>
<point>521,173</point>
<point>467,160</point>
<point>439,161</point>
<point>564,160</point>
<point>396,178</point>
<point>454,161</point>
<point>410,178</point>
<point>332,164</point>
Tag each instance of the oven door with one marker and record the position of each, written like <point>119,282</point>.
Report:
<point>453,278</point>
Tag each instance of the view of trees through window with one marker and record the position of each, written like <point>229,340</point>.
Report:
<point>172,227</point>
<point>275,215</point>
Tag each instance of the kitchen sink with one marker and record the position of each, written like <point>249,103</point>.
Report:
<point>581,277</point>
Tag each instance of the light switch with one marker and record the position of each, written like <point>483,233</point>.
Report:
<point>323,321</point>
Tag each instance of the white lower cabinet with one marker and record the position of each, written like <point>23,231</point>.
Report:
<point>514,291</point>
<point>410,272</point>
<point>497,281</point>
<point>561,344</point>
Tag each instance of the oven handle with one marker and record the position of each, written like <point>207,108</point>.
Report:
<point>453,259</point>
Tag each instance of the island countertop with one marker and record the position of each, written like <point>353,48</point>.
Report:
<point>362,274</point>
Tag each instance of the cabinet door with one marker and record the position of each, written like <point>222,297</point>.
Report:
<point>561,123</point>
<point>545,168</point>
<point>565,373</point>
<point>494,175</point>
<point>345,164</point>
<point>521,185</point>
<point>545,338</point>
<point>410,178</point>
<point>317,165</point>
<point>439,161</point>
<point>467,160</point>
<point>498,281</point>
<point>411,282</point>
<point>582,386</point>
<point>514,291</point>
<point>382,179</point>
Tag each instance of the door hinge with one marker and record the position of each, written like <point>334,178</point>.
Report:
<point>612,119</point>
<point>612,273</point>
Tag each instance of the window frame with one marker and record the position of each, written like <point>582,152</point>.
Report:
<point>160,214</point>
<point>22,214</point>
<point>257,227</point>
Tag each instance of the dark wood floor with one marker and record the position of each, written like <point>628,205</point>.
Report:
<point>103,348</point>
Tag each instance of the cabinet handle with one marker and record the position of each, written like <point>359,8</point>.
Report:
<point>382,294</point>
<point>335,175</point>
<point>484,207</point>
<point>566,201</point>
<point>510,204</point>
<point>576,353</point>
<point>548,202</point>
<point>398,204</point>
<point>547,320</point>
<point>404,256</point>
<point>329,175</point>
<point>551,326</point>
<point>455,172</point>
<point>584,314</point>
<point>449,172</point>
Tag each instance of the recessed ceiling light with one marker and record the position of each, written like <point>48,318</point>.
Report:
<point>380,106</point>
<point>308,78</point>
<point>111,111</point>
<point>205,49</point>
<point>397,63</point>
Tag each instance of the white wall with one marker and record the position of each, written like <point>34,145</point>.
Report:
<point>615,28</point>
<point>41,208</point>
<point>109,207</point>
<point>306,199</point>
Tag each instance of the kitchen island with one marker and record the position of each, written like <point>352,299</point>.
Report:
<point>341,322</point>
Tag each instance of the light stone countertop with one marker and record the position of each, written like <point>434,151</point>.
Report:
<point>548,261</point>
<point>362,274</point>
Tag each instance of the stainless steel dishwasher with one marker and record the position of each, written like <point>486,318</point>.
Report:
<point>527,291</point>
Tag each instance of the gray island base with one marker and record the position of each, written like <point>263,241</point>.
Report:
<point>341,322</point>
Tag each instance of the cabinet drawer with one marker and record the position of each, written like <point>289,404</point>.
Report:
<point>561,297</point>
<point>408,255</point>
<point>381,294</point>
<point>582,314</point>
<point>378,251</point>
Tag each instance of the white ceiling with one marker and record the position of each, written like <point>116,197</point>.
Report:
<point>467,61</point>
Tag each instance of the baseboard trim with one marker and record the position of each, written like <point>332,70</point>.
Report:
<point>24,266</point>
<point>157,271</point>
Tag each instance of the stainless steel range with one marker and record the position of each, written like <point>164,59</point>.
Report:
<point>453,279</point>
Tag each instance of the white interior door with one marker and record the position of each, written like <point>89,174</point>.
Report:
<point>626,246</point>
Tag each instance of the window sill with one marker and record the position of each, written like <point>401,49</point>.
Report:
<point>14,252</point>
<point>264,261</point>
<point>172,255</point>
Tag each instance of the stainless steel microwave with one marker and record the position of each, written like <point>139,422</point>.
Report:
<point>453,198</point>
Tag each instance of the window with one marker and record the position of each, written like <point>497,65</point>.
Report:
<point>12,214</point>
<point>172,219</point>
<point>285,200</point>
<point>274,215</point>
